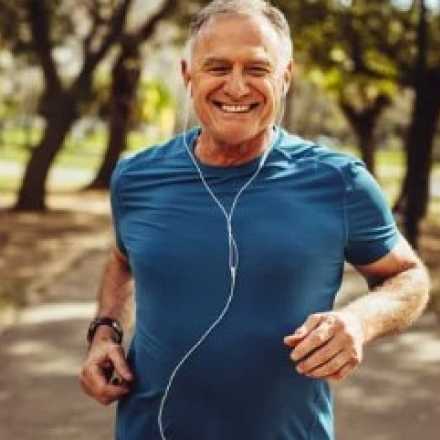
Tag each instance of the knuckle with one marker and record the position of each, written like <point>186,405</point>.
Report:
<point>331,320</point>
<point>318,338</point>
<point>315,316</point>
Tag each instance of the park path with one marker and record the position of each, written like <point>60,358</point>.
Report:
<point>395,395</point>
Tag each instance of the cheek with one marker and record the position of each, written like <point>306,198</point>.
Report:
<point>272,96</point>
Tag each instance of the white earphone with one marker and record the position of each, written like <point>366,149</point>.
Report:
<point>233,253</point>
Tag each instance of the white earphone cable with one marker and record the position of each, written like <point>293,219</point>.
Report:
<point>233,253</point>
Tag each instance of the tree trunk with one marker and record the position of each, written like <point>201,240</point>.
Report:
<point>31,196</point>
<point>419,148</point>
<point>363,123</point>
<point>367,146</point>
<point>125,80</point>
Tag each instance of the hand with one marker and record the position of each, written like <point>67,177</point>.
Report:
<point>328,345</point>
<point>105,357</point>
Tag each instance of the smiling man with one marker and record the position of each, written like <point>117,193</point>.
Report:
<point>235,235</point>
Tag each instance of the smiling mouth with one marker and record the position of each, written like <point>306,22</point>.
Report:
<point>226,108</point>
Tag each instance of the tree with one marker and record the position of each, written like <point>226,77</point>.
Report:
<point>338,44</point>
<point>425,78</point>
<point>378,41</point>
<point>126,73</point>
<point>60,103</point>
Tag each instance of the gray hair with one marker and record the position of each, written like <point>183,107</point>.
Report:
<point>246,7</point>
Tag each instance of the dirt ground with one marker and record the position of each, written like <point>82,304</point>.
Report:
<point>394,395</point>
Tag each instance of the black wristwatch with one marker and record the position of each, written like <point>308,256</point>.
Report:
<point>104,320</point>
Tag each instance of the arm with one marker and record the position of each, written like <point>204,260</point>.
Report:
<point>104,354</point>
<point>399,286</point>
<point>114,296</point>
<point>399,292</point>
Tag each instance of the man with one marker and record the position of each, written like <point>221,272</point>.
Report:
<point>236,235</point>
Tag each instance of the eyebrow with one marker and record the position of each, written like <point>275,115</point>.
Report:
<point>214,60</point>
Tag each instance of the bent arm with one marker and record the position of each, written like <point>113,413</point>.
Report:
<point>399,291</point>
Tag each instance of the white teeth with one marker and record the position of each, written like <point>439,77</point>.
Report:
<point>236,108</point>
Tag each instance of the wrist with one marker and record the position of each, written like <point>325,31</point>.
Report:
<point>357,323</point>
<point>105,328</point>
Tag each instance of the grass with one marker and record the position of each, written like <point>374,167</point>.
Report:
<point>84,153</point>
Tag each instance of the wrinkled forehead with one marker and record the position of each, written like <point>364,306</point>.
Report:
<point>237,37</point>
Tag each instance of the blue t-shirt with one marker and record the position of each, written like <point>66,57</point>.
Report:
<point>308,210</point>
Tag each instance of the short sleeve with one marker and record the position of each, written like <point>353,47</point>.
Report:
<point>116,207</point>
<point>370,226</point>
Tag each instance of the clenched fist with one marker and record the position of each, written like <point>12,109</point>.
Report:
<point>105,359</point>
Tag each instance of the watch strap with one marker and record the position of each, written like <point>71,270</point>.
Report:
<point>110,322</point>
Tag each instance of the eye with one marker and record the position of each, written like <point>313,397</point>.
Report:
<point>218,70</point>
<point>257,71</point>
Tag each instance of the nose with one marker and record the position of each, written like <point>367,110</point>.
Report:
<point>236,86</point>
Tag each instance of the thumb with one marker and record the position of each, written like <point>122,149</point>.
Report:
<point>120,364</point>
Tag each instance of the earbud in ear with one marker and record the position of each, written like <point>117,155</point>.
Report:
<point>189,88</point>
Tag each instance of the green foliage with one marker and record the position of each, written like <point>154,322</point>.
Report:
<point>153,101</point>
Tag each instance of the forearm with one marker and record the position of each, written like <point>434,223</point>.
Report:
<point>393,304</point>
<point>114,296</point>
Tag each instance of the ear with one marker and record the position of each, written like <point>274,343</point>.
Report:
<point>288,76</point>
<point>186,74</point>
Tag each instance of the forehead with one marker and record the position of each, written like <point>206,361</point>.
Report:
<point>237,37</point>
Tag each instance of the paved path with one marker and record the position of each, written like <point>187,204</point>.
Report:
<point>395,395</point>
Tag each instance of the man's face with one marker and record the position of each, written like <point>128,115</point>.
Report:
<point>237,77</point>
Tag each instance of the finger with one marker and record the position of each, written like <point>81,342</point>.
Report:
<point>310,323</point>
<point>323,354</point>
<point>331,366</point>
<point>114,392</point>
<point>117,357</point>
<point>293,339</point>
<point>98,387</point>
<point>344,372</point>
<point>92,379</point>
<point>318,337</point>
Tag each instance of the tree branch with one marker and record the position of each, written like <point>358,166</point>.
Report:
<point>97,21</point>
<point>115,32</point>
<point>149,26</point>
<point>38,17</point>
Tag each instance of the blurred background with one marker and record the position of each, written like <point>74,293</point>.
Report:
<point>83,82</point>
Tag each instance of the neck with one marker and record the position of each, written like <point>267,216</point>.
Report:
<point>211,151</point>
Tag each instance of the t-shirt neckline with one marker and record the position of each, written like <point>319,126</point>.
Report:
<point>250,165</point>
